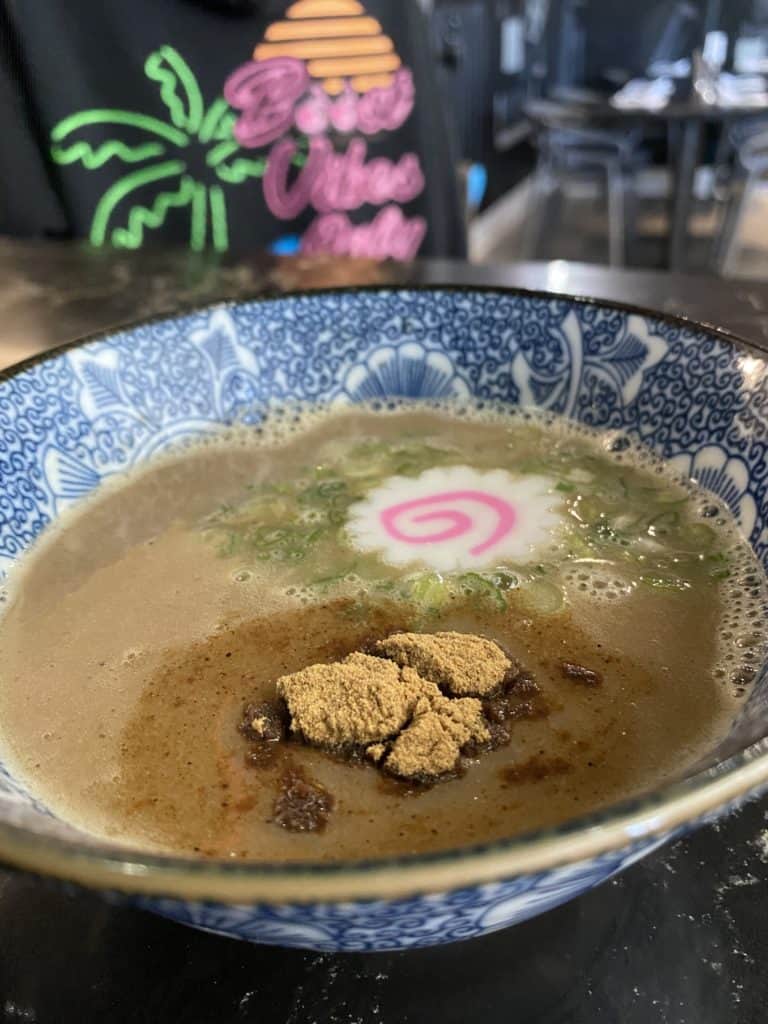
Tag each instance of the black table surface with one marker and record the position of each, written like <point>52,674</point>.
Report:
<point>680,938</point>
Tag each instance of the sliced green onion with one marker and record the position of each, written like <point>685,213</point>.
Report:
<point>542,597</point>
<point>430,590</point>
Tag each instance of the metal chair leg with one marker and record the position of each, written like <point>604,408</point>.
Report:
<point>616,214</point>
<point>542,187</point>
<point>729,242</point>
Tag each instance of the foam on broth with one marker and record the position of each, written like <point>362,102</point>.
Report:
<point>141,622</point>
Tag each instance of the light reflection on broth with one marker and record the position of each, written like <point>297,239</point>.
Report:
<point>142,623</point>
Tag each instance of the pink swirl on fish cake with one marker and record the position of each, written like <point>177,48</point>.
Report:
<point>460,523</point>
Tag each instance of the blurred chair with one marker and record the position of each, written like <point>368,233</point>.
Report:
<point>612,158</point>
<point>594,47</point>
<point>569,65</point>
<point>732,138</point>
<point>749,172</point>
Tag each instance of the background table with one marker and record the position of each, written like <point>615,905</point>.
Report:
<point>680,938</point>
<point>684,121</point>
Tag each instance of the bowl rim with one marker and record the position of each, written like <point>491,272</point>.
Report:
<point>624,829</point>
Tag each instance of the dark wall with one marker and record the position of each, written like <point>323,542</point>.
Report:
<point>479,95</point>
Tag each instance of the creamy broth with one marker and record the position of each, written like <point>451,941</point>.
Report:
<point>140,625</point>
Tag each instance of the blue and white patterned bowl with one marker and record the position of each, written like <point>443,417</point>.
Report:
<point>86,412</point>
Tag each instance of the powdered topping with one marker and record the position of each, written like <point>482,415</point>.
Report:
<point>352,703</point>
<point>411,707</point>
<point>439,731</point>
<point>401,720</point>
<point>456,518</point>
<point>459,663</point>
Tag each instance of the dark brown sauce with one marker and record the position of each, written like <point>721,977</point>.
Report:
<point>185,781</point>
<point>535,769</point>
<point>122,712</point>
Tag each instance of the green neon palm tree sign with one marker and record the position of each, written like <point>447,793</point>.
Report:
<point>161,151</point>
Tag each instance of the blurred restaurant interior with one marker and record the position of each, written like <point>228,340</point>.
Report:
<point>170,164</point>
<point>625,134</point>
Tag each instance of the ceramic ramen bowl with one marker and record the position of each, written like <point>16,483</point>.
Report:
<point>83,413</point>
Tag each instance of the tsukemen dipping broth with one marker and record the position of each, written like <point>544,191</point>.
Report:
<point>359,633</point>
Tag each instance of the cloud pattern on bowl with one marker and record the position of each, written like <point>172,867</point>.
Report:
<point>73,420</point>
<point>429,920</point>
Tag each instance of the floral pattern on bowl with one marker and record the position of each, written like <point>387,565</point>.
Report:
<point>74,419</point>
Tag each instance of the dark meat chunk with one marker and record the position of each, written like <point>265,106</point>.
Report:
<point>500,734</point>
<point>502,709</point>
<point>519,690</point>
<point>523,685</point>
<point>580,674</point>
<point>497,709</point>
<point>521,698</point>
<point>537,708</point>
<point>264,721</point>
<point>301,804</point>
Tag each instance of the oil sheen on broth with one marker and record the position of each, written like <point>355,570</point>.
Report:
<point>139,626</point>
